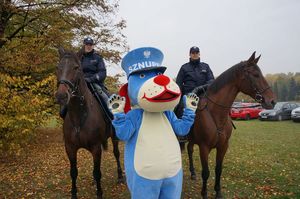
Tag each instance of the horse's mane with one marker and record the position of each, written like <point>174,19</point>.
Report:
<point>227,76</point>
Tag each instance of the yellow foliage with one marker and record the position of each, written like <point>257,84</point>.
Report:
<point>24,107</point>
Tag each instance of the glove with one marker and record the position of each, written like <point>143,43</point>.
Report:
<point>92,79</point>
<point>88,79</point>
<point>116,103</point>
<point>190,101</point>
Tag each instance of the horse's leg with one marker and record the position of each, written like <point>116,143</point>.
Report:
<point>218,170</point>
<point>117,156</point>
<point>190,148</point>
<point>204,151</point>
<point>97,152</point>
<point>72,155</point>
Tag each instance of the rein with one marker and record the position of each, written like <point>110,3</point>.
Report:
<point>258,98</point>
<point>67,82</point>
<point>73,88</point>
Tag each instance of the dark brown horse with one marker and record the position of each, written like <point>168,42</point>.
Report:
<point>84,125</point>
<point>212,126</point>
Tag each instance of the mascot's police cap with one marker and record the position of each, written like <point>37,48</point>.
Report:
<point>143,59</point>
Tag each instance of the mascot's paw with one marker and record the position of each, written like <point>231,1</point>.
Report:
<point>116,103</point>
<point>191,101</point>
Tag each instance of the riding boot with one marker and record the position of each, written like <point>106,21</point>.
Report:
<point>63,111</point>
<point>104,98</point>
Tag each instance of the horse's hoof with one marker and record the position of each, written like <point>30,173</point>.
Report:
<point>74,197</point>
<point>204,195</point>
<point>193,177</point>
<point>219,195</point>
<point>99,195</point>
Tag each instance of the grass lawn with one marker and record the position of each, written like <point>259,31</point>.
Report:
<point>263,161</point>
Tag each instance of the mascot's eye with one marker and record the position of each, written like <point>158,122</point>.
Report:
<point>159,73</point>
<point>142,75</point>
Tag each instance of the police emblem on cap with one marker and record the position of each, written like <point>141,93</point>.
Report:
<point>147,53</point>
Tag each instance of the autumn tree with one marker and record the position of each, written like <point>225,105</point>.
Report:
<point>30,32</point>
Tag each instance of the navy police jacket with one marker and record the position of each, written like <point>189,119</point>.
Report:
<point>93,67</point>
<point>192,75</point>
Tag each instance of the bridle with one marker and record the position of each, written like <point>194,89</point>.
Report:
<point>258,93</point>
<point>73,88</point>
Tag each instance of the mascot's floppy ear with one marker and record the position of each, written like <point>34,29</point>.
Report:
<point>124,93</point>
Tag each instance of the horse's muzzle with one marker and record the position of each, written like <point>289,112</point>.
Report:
<point>62,97</point>
<point>268,105</point>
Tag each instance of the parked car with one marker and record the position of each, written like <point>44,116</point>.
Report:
<point>245,111</point>
<point>295,115</point>
<point>281,111</point>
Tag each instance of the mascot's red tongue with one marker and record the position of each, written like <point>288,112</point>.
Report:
<point>165,96</point>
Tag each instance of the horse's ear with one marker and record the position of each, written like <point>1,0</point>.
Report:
<point>252,58</point>
<point>80,53</point>
<point>61,51</point>
<point>124,93</point>
<point>256,59</point>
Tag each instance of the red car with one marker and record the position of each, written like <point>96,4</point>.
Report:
<point>245,111</point>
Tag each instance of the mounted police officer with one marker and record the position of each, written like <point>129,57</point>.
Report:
<point>191,75</point>
<point>94,71</point>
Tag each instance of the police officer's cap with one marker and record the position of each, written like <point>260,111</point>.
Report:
<point>88,40</point>
<point>194,49</point>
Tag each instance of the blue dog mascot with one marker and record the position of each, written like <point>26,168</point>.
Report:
<point>152,153</point>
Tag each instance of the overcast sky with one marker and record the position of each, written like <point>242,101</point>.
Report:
<point>226,31</point>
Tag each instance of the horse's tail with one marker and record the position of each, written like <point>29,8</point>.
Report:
<point>109,132</point>
<point>104,145</point>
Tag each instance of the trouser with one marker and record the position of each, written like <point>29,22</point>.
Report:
<point>102,92</point>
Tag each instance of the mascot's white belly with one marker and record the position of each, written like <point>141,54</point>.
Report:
<point>157,153</point>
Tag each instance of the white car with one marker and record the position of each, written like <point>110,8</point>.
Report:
<point>295,114</point>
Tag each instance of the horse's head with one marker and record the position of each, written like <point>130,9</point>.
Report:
<point>68,70</point>
<point>254,84</point>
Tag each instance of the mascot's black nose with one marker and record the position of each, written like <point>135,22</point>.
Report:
<point>162,80</point>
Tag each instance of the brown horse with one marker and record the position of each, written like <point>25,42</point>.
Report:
<point>84,125</point>
<point>213,126</point>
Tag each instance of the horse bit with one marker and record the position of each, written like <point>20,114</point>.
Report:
<point>72,88</point>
